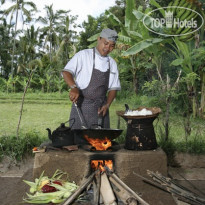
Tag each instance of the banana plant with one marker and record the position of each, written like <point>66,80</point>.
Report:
<point>133,35</point>
<point>198,59</point>
<point>183,45</point>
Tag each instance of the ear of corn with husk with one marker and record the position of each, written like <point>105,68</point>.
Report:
<point>63,189</point>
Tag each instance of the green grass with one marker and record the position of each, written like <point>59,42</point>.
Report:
<point>42,110</point>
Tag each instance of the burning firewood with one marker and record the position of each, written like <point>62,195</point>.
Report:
<point>96,188</point>
<point>106,191</point>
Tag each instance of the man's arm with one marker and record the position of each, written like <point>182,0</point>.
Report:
<point>111,96</point>
<point>74,92</point>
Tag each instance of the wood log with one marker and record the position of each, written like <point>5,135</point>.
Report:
<point>122,193</point>
<point>136,196</point>
<point>106,191</point>
<point>85,183</point>
<point>96,187</point>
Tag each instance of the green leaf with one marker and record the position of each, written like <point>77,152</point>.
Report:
<point>92,45</point>
<point>134,33</point>
<point>124,39</point>
<point>177,62</point>
<point>141,46</point>
<point>138,14</point>
<point>129,17</point>
<point>94,37</point>
<point>161,10</point>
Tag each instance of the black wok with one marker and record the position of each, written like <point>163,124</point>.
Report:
<point>98,133</point>
<point>95,133</point>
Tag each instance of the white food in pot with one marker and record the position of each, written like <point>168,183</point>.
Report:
<point>142,112</point>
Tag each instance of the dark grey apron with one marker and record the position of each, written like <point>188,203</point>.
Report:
<point>92,98</point>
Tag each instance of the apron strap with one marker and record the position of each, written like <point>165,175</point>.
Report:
<point>108,64</point>
<point>94,60</point>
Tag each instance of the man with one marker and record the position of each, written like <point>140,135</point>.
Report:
<point>90,74</point>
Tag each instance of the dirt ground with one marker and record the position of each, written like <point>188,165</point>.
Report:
<point>191,175</point>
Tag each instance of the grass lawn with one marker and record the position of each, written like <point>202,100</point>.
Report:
<point>43,111</point>
<point>40,112</point>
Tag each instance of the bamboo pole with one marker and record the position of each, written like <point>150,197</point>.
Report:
<point>96,188</point>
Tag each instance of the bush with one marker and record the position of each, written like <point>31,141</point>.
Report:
<point>17,148</point>
<point>192,146</point>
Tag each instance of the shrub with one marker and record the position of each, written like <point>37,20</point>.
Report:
<point>17,148</point>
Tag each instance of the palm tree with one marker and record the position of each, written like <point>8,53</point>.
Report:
<point>5,47</point>
<point>27,45</point>
<point>52,21</point>
<point>19,6</point>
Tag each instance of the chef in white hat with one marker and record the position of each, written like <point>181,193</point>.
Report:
<point>93,78</point>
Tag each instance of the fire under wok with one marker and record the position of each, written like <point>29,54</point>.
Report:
<point>95,133</point>
<point>98,133</point>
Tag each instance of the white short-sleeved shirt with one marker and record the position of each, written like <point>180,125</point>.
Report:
<point>81,67</point>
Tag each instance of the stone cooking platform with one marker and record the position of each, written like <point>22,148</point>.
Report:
<point>77,164</point>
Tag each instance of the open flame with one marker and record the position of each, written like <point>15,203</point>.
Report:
<point>99,144</point>
<point>101,164</point>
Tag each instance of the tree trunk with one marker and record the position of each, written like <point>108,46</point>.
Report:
<point>135,81</point>
<point>202,101</point>
<point>166,124</point>
<point>42,88</point>
<point>22,102</point>
<point>14,42</point>
<point>134,73</point>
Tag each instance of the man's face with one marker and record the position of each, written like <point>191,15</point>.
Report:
<point>105,46</point>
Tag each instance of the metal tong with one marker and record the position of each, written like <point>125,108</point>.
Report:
<point>80,115</point>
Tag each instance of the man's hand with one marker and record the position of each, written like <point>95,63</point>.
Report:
<point>103,110</point>
<point>74,95</point>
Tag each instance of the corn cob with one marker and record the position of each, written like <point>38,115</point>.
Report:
<point>63,189</point>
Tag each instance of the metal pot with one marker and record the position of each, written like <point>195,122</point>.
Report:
<point>61,136</point>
